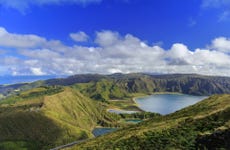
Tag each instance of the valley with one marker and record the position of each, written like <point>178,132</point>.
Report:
<point>114,75</point>
<point>47,114</point>
<point>200,126</point>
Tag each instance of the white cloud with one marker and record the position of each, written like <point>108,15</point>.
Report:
<point>40,53</point>
<point>107,38</point>
<point>114,53</point>
<point>19,41</point>
<point>22,5</point>
<point>179,54</point>
<point>221,44</point>
<point>37,71</point>
<point>79,36</point>
<point>114,70</point>
<point>205,57</point>
<point>179,50</point>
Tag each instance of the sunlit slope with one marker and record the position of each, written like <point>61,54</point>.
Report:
<point>104,87</point>
<point>189,128</point>
<point>121,86</point>
<point>47,117</point>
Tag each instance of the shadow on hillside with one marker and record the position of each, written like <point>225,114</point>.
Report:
<point>29,126</point>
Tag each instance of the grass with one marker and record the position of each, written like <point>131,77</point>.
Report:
<point>184,129</point>
<point>19,145</point>
<point>51,116</point>
<point>54,115</point>
<point>102,90</point>
<point>124,104</point>
<point>31,94</point>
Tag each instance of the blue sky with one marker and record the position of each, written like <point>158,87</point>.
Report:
<point>65,37</point>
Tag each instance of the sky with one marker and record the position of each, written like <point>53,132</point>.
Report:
<point>66,37</point>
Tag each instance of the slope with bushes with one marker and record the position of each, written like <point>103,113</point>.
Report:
<point>45,117</point>
<point>126,86</point>
<point>104,87</point>
<point>199,126</point>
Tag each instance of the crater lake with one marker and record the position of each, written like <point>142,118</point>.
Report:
<point>166,103</point>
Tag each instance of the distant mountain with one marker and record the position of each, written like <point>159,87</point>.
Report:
<point>144,83</point>
<point>80,78</point>
<point>9,79</point>
<point>10,85</point>
<point>118,85</point>
<point>48,113</point>
<point>205,125</point>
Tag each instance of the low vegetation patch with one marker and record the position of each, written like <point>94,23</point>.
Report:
<point>190,128</point>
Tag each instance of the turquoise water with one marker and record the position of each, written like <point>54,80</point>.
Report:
<point>167,103</point>
<point>133,121</point>
<point>101,131</point>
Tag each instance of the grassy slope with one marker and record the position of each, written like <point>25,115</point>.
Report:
<point>103,90</point>
<point>116,86</point>
<point>189,128</point>
<point>38,119</point>
<point>120,86</point>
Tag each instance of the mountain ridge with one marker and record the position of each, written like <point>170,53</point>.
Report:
<point>63,111</point>
<point>138,83</point>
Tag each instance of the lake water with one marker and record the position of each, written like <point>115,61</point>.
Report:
<point>133,121</point>
<point>167,103</point>
<point>101,131</point>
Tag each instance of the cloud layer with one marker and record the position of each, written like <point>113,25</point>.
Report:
<point>34,55</point>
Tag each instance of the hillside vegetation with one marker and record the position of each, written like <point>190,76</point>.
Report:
<point>205,125</point>
<point>49,113</point>
<point>121,86</point>
<point>45,117</point>
<point>115,86</point>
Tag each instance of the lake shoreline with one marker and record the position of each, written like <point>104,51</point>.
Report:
<point>155,93</point>
<point>165,102</point>
<point>133,99</point>
<point>119,111</point>
<point>142,95</point>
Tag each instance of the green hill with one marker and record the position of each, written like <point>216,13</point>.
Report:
<point>59,111</point>
<point>122,85</point>
<point>45,117</point>
<point>200,126</point>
